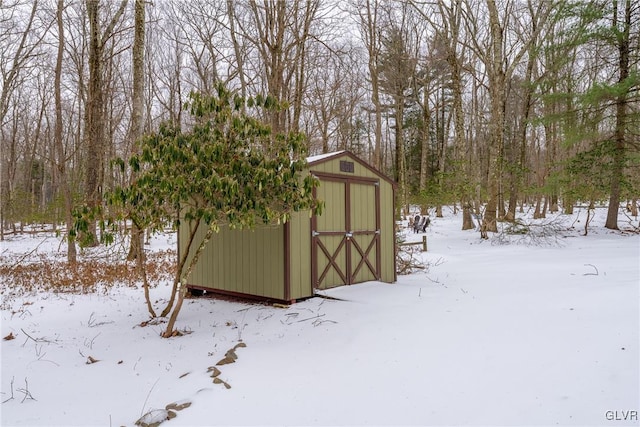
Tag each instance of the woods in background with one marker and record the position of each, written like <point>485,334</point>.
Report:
<point>487,104</point>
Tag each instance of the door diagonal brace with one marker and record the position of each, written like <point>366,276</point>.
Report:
<point>332,261</point>
<point>365,257</point>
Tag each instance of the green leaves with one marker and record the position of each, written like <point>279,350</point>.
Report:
<point>587,174</point>
<point>229,169</point>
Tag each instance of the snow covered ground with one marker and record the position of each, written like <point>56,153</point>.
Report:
<point>493,334</point>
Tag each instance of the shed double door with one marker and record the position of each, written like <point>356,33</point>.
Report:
<point>346,237</point>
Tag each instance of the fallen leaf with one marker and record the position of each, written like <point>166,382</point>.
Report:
<point>231,354</point>
<point>9,337</point>
<point>91,360</point>
<point>226,361</point>
<point>214,371</point>
<point>177,406</point>
<point>219,381</point>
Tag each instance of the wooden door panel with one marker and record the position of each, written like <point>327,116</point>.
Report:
<point>362,207</point>
<point>333,195</point>
<point>332,261</point>
<point>363,257</point>
<point>329,236</point>
<point>346,238</point>
<point>364,220</point>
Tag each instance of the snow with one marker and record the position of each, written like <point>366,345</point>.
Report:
<point>493,334</point>
<point>319,157</point>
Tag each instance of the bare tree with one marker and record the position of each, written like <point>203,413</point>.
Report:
<point>369,26</point>
<point>280,32</point>
<point>500,56</point>
<point>137,111</point>
<point>449,31</point>
<point>21,38</point>
<point>61,162</point>
<point>166,61</point>
<point>95,119</point>
<point>397,71</point>
<point>238,49</point>
<point>202,24</point>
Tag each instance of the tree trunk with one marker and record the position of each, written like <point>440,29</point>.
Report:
<point>182,291</point>
<point>399,164</point>
<point>182,260</point>
<point>135,132</point>
<point>63,181</point>
<point>140,264</point>
<point>95,124</point>
<point>461,143</point>
<point>237,48</point>
<point>467,218</point>
<point>370,33</point>
<point>619,154</point>
<point>424,145</point>
<point>536,212</point>
<point>567,204</point>
<point>497,79</point>
<point>588,220</point>
<point>301,62</point>
<point>522,142</point>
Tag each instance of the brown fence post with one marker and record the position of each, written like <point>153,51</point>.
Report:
<point>424,243</point>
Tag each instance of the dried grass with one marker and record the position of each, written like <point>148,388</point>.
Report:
<point>86,276</point>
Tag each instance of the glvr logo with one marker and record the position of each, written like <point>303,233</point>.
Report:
<point>622,415</point>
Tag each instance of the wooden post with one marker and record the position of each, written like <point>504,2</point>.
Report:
<point>424,243</point>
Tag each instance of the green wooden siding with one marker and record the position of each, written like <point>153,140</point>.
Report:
<point>363,203</point>
<point>333,216</point>
<point>300,258</point>
<point>241,261</point>
<point>253,262</point>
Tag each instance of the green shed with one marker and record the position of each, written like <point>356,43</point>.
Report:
<point>351,242</point>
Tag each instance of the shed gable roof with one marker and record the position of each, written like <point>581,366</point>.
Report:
<point>323,158</point>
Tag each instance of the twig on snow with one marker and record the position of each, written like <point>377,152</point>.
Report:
<point>92,321</point>
<point>26,392</point>
<point>319,322</point>
<point>310,318</point>
<point>592,274</point>
<point>17,263</point>
<point>147,398</point>
<point>89,343</point>
<point>11,398</point>
<point>36,340</point>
